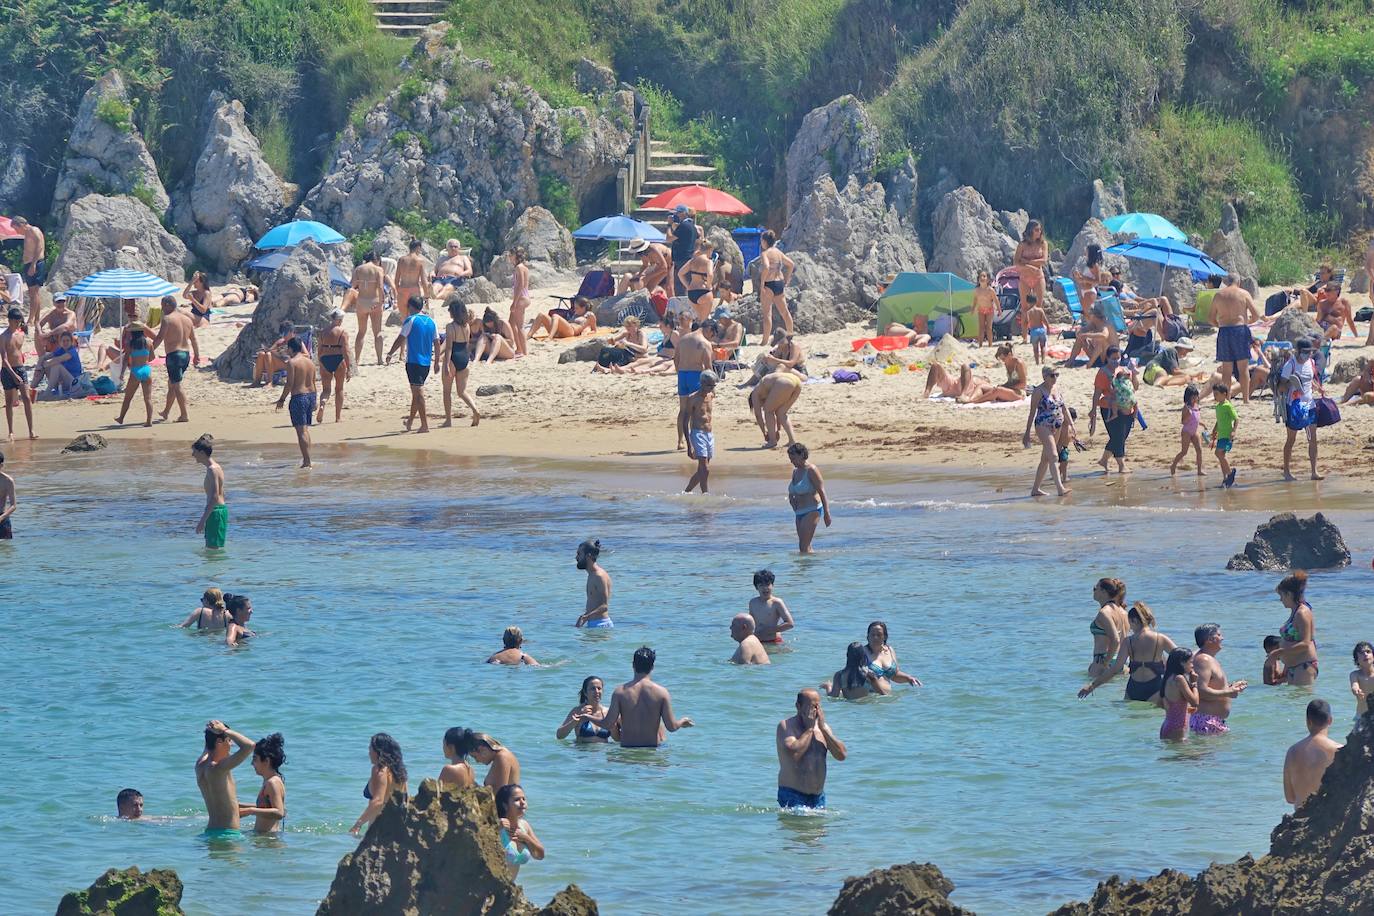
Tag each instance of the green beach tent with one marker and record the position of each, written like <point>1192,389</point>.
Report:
<point>927,295</point>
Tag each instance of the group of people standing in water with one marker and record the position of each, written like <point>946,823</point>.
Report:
<point>1192,687</point>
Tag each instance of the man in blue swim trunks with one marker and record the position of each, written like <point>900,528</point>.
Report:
<point>804,741</point>
<point>1233,311</point>
<point>215,777</point>
<point>598,612</point>
<point>175,332</point>
<point>691,357</point>
<point>300,385</point>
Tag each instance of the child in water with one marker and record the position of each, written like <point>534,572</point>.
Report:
<point>771,616</point>
<point>1190,436</point>
<point>1273,668</point>
<point>1362,679</point>
<point>1067,435</point>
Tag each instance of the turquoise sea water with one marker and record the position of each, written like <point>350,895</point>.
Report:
<point>381,583</point>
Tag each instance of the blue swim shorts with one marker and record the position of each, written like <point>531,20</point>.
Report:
<point>791,798</point>
<point>688,382</point>
<point>1223,445</point>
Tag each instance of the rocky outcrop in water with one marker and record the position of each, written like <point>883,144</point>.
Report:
<point>231,196</point>
<point>106,154</point>
<point>98,227</point>
<point>457,142</point>
<point>902,890</point>
<point>1294,324</point>
<point>437,854</point>
<point>969,236</point>
<point>838,140</point>
<point>1227,247</point>
<point>297,292</point>
<point>548,247</point>
<point>127,892</point>
<point>1287,542</point>
<point>86,442</point>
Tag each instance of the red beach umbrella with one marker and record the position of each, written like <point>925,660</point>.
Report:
<point>7,230</point>
<point>699,198</point>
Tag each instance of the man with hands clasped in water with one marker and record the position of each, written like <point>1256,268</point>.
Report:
<point>803,741</point>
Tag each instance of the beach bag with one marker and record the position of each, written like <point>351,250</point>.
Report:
<point>1327,413</point>
<point>1124,393</point>
<point>1365,314</point>
<point>1276,303</point>
<point>1300,415</point>
<point>1173,327</point>
<point>103,384</point>
<point>845,376</point>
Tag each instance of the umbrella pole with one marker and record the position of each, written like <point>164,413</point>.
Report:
<point>1163,273</point>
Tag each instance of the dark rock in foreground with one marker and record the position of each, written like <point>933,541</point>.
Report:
<point>1287,542</point>
<point>902,890</point>
<point>127,893</point>
<point>86,442</point>
<point>486,391</point>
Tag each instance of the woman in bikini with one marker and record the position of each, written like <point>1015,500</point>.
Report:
<point>1178,694</point>
<point>588,707</point>
<point>1143,654</point>
<point>564,323</point>
<point>1091,277</point>
<point>497,339</point>
<point>881,660</point>
<point>1298,646</point>
<point>1048,414</point>
<point>985,306</point>
<point>660,362</point>
<point>502,767</point>
<point>1014,389</point>
<point>1032,254</point>
<point>197,293</point>
<point>806,495</point>
<point>696,277</point>
<point>336,364</point>
<point>140,372</point>
<point>388,775</point>
<point>240,609</point>
<point>855,680</point>
<point>624,349</point>
<point>771,400</point>
<point>1109,626</point>
<point>519,300</point>
<point>775,272</point>
<point>454,357</point>
<point>458,743</point>
<point>211,615</point>
<point>269,755</point>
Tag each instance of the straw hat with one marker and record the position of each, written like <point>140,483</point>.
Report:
<point>638,246</point>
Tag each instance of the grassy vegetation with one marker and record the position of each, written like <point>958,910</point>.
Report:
<point>535,42</point>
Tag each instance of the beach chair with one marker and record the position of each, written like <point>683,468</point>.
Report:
<point>597,284</point>
<point>1069,293</point>
<point>88,317</point>
<point>1111,310</point>
<point>306,333</point>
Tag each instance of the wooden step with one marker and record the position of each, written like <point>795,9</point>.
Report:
<point>680,175</point>
<point>428,17</point>
<point>684,158</point>
<point>436,5</point>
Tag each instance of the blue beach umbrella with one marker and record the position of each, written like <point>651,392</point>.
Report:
<point>275,259</point>
<point>121,283</point>
<point>1145,225</point>
<point>1169,253</point>
<point>620,228</point>
<point>288,235</point>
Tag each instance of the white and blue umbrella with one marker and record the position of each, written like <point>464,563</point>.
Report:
<point>291,234</point>
<point>619,228</point>
<point>121,283</point>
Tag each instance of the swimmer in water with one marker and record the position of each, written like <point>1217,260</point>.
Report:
<point>215,777</point>
<point>588,706</point>
<point>750,650</point>
<point>1179,693</point>
<point>512,654</point>
<point>240,612</point>
<point>1362,679</point>
<point>211,615</point>
<point>458,744</point>
<point>502,766</point>
<point>1273,668</point>
<point>803,742</point>
<point>129,804</point>
<point>517,839</point>
<point>771,616</point>
<point>882,661</point>
<point>855,680</point>
<point>1306,762</point>
<point>270,808</point>
<point>388,775</point>
<point>641,710</point>
<point>598,612</point>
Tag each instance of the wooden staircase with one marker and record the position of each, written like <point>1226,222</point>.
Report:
<point>407,18</point>
<point>668,170</point>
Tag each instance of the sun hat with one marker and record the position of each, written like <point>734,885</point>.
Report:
<point>1184,342</point>
<point>334,314</point>
<point>721,312</point>
<point>638,245</point>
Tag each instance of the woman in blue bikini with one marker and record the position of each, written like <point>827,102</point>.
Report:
<point>882,662</point>
<point>806,493</point>
<point>1298,649</point>
<point>588,707</point>
<point>140,373</point>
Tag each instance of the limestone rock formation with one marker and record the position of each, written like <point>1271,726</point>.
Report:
<point>729,252</point>
<point>593,78</point>
<point>902,890</point>
<point>297,292</point>
<point>1094,232</point>
<point>1359,278</point>
<point>1227,247</point>
<point>1108,199</point>
<point>584,351</point>
<point>847,242</point>
<point>548,246</point>
<point>127,892</point>
<point>812,312</point>
<point>903,188</point>
<point>436,854</point>
<point>394,242</point>
<point>486,391</point>
<point>231,197</point>
<point>1287,542</point>
<point>969,236</point>
<point>477,291</point>
<point>1014,222</point>
<point>609,311</point>
<point>14,176</point>
<point>106,154</point>
<point>86,442</point>
<point>1294,324</point>
<point>97,227</point>
<point>457,142</point>
<point>838,140</point>
<point>1347,370</point>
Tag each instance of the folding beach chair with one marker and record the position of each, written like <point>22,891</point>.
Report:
<point>1069,293</point>
<point>88,315</point>
<point>1111,310</point>
<point>597,284</point>
<point>306,333</point>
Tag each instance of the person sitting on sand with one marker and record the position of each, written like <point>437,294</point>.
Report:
<point>1144,652</point>
<point>598,611</point>
<point>237,295</point>
<point>1132,303</point>
<point>517,837</point>
<point>563,323</point>
<point>497,339</point>
<point>457,747</point>
<point>1014,389</point>
<point>512,654</point>
<point>199,297</point>
<point>588,706</point>
<point>1306,761</point>
<point>786,355</point>
<point>660,361</point>
<point>770,401</point>
<point>1164,368</point>
<point>625,347</point>
<point>273,359</point>
<point>269,810</point>
<point>1094,336</point>
<point>59,320</point>
<point>750,650</point>
<point>641,710</point>
<point>950,385</point>
<point>1361,387</point>
<point>769,612</point>
<point>211,615</point>
<point>455,265</point>
<point>388,776</point>
<point>215,778</point>
<point>61,365</point>
<point>1140,338</point>
<point>731,336</point>
<point>881,659</point>
<point>855,680</point>
<point>1334,312</point>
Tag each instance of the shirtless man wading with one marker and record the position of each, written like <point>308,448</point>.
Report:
<point>1233,311</point>
<point>300,385</point>
<point>598,610</point>
<point>214,521</point>
<point>368,295</point>
<point>215,775</point>
<point>643,709</point>
<point>692,356</point>
<point>1215,693</point>
<point>750,651</point>
<point>1306,761</point>
<point>803,742</point>
<point>14,378</point>
<point>175,332</point>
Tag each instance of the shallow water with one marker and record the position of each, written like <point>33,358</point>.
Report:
<point>381,583</point>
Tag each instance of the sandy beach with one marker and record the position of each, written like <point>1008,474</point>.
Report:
<point>566,411</point>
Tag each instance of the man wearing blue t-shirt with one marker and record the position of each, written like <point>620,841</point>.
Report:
<point>418,332</point>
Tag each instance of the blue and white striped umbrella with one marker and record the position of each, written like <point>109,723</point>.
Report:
<point>121,283</point>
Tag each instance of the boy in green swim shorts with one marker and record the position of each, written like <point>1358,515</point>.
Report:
<point>1224,431</point>
<point>214,521</point>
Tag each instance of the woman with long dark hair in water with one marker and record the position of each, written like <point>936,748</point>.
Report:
<point>458,744</point>
<point>854,681</point>
<point>517,839</point>
<point>1179,693</point>
<point>1298,646</point>
<point>388,775</point>
<point>588,706</point>
<point>269,755</point>
<point>240,609</point>
<point>1110,626</point>
<point>882,661</point>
